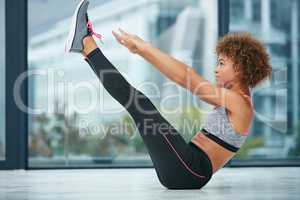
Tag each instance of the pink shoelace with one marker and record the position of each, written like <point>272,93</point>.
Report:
<point>91,30</point>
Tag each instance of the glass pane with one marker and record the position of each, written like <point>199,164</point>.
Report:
<point>2,80</point>
<point>275,131</point>
<point>74,121</point>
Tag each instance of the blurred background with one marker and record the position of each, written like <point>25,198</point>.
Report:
<point>73,121</point>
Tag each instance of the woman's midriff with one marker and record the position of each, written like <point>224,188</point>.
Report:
<point>217,154</point>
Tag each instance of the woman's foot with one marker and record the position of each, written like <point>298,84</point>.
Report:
<point>81,27</point>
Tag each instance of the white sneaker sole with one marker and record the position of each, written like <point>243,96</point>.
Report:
<point>72,31</point>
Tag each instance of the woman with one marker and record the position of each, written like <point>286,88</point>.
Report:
<point>242,64</point>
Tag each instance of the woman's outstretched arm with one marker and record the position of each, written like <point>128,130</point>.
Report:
<point>172,68</point>
<point>179,72</point>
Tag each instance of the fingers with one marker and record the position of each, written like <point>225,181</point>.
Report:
<point>123,37</point>
<point>118,37</point>
<point>124,33</point>
<point>126,39</point>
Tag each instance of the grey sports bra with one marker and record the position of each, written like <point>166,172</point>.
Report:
<point>218,127</point>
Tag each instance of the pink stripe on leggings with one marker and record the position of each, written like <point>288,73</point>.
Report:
<point>189,169</point>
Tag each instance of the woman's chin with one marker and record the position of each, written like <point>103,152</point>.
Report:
<point>219,84</point>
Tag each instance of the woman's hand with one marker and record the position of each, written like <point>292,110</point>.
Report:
<point>132,42</point>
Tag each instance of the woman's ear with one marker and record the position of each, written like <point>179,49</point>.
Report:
<point>237,72</point>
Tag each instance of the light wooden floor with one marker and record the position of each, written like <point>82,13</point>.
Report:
<point>140,184</point>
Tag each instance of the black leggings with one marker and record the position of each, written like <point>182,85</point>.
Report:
<point>178,164</point>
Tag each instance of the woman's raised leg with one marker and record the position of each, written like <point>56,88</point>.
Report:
<point>172,157</point>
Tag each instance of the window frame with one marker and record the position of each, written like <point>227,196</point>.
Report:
<point>15,120</point>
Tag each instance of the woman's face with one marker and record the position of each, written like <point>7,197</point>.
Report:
<point>224,73</point>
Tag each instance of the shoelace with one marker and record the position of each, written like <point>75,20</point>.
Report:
<point>91,30</point>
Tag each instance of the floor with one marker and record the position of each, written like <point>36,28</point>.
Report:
<point>228,183</point>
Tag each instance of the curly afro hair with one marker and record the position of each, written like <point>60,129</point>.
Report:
<point>248,55</point>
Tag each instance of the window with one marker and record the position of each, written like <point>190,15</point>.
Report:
<point>2,80</point>
<point>276,128</point>
<point>73,120</point>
